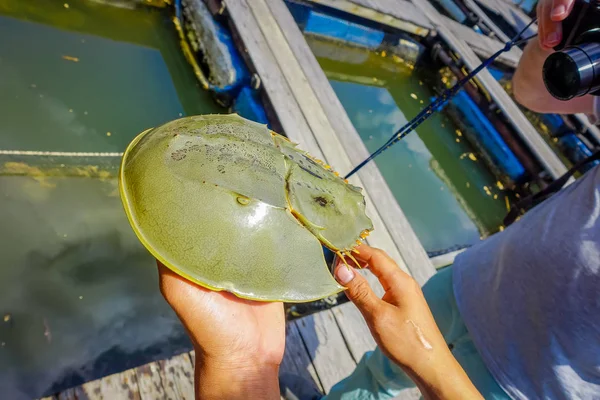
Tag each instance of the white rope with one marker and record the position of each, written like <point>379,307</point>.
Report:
<point>58,153</point>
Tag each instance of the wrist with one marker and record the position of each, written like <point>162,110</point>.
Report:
<point>441,376</point>
<point>218,378</point>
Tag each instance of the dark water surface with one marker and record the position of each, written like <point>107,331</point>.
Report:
<point>78,293</point>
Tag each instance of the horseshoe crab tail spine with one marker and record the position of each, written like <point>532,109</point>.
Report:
<point>339,254</point>
<point>349,254</point>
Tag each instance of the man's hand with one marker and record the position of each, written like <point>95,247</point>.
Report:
<point>239,343</point>
<point>550,15</point>
<point>404,328</point>
<point>528,86</point>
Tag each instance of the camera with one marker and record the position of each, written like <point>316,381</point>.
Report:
<point>574,68</point>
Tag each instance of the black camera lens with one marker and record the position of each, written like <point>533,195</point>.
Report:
<point>574,71</point>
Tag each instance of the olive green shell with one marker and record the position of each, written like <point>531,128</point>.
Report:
<point>230,205</point>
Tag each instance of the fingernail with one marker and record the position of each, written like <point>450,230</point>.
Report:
<point>552,38</point>
<point>344,274</point>
<point>558,11</point>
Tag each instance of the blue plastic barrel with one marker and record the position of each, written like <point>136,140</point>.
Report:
<point>489,139</point>
<point>339,29</point>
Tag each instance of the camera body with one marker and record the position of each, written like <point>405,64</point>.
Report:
<point>574,68</point>
<point>582,25</point>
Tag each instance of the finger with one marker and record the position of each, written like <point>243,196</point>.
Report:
<point>358,291</point>
<point>539,12</point>
<point>382,266</point>
<point>552,31</point>
<point>366,253</point>
<point>561,9</point>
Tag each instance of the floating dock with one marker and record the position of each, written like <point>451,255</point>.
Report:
<point>325,347</point>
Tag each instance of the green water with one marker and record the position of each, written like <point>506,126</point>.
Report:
<point>440,188</point>
<point>78,293</point>
<point>130,75</point>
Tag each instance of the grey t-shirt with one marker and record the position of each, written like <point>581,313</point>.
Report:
<point>530,297</point>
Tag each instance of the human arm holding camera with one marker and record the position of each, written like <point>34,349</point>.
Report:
<point>528,85</point>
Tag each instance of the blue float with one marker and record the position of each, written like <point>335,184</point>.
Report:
<point>248,105</point>
<point>489,139</point>
<point>336,28</point>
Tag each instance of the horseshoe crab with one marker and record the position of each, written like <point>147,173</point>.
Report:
<point>230,205</point>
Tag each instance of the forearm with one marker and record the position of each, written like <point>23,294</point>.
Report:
<point>220,380</point>
<point>441,377</point>
<point>530,91</point>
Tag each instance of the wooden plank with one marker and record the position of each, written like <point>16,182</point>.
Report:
<point>68,394</point>
<point>177,376</point>
<point>411,21</point>
<point>541,150</point>
<point>339,140</point>
<point>592,129</point>
<point>493,6</point>
<point>359,339</point>
<point>296,360</point>
<point>354,330</point>
<point>485,46</point>
<point>445,260</point>
<point>511,13</point>
<point>301,89</point>
<point>518,17</point>
<point>149,381</point>
<point>263,61</point>
<point>474,7</point>
<point>328,351</point>
<point>121,386</point>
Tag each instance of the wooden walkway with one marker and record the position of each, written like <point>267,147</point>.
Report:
<point>317,349</point>
<point>325,347</point>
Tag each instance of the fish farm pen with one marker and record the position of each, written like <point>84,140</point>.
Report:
<point>82,316</point>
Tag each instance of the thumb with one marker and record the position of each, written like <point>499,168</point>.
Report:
<point>561,9</point>
<point>358,290</point>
